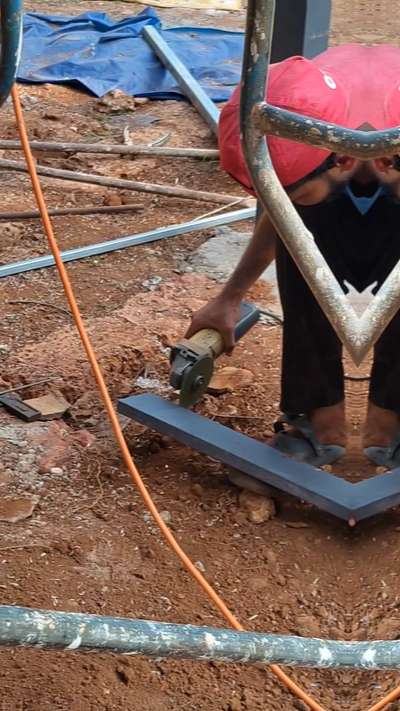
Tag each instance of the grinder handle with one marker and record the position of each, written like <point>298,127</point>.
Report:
<point>208,338</point>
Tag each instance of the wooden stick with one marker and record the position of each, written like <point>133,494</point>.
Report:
<point>56,212</point>
<point>170,191</point>
<point>29,385</point>
<point>117,148</point>
<point>45,304</point>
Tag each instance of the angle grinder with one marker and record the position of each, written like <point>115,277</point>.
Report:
<point>192,359</point>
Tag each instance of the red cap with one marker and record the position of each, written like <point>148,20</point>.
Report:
<point>369,75</point>
<point>296,85</point>
<point>392,107</point>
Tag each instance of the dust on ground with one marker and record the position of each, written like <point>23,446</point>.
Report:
<point>80,538</point>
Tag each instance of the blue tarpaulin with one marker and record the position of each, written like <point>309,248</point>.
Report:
<point>99,54</point>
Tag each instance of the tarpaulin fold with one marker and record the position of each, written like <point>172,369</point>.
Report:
<point>99,54</point>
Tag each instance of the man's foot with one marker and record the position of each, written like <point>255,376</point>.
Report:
<point>382,437</point>
<point>381,426</point>
<point>318,439</point>
<point>329,424</point>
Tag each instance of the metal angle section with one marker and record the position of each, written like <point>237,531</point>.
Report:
<point>241,452</point>
<point>91,250</point>
<point>189,85</point>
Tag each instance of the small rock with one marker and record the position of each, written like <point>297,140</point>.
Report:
<point>112,200</point>
<point>116,101</point>
<point>4,349</point>
<point>259,508</point>
<point>327,467</point>
<point>229,379</point>
<point>141,100</point>
<point>296,524</point>
<point>152,283</point>
<point>166,516</point>
<point>198,490</point>
<point>51,116</point>
<point>235,704</point>
<point>281,580</point>
<point>154,447</point>
<point>56,471</point>
<point>200,566</point>
<point>14,510</point>
<point>50,406</point>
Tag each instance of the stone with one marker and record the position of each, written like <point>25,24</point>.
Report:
<point>166,516</point>
<point>230,379</point>
<point>259,509</point>
<point>112,200</point>
<point>56,471</point>
<point>50,406</point>
<point>200,566</point>
<point>197,489</point>
<point>14,510</point>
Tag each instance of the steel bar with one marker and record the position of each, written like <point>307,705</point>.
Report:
<point>190,87</point>
<point>364,145</point>
<point>11,44</point>
<point>114,148</point>
<point>169,191</point>
<point>350,502</point>
<point>357,334</point>
<point>241,452</point>
<point>76,632</point>
<point>62,211</point>
<point>71,255</point>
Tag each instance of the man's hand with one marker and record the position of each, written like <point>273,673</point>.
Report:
<point>221,314</point>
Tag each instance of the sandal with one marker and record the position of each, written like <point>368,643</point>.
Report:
<point>306,448</point>
<point>388,457</point>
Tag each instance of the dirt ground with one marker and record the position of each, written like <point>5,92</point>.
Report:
<point>74,533</point>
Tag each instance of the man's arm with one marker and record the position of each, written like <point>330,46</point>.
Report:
<point>222,313</point>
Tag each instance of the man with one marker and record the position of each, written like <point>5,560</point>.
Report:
<point>352,210</point>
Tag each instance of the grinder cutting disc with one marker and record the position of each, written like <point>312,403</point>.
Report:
<point>195,380</point>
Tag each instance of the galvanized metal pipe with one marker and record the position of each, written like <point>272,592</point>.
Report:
<point>72,255</point>
<point>357,334</point>
<point>75,632</point>
<point>190,87</point>
<point>363,145</point>
<point>11,44</point>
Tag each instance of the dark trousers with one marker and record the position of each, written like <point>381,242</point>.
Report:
<point>360,249</point>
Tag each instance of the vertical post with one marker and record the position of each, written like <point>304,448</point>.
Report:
<point>300,27</point>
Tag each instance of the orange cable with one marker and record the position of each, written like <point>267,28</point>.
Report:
<point>133,471</point>
<point>392,696</point>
